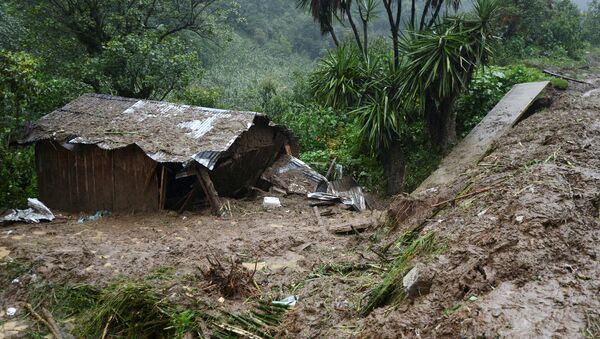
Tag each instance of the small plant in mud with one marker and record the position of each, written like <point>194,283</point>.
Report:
<point>390,289</point>
<point>235,280</point>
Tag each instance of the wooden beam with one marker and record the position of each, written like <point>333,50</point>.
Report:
<point>163,188</point>
<point>209,190</point>
<point>288,149</point>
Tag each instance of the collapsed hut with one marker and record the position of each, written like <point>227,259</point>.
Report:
<point>103,152</point>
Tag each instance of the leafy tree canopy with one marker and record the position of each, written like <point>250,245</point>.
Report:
<point>134,48</point>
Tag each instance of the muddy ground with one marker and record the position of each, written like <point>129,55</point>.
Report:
<point>520,259</point>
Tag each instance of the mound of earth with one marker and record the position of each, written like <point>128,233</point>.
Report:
<point>522,255</point>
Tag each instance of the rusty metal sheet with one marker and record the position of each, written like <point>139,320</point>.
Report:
<point>165,132</point>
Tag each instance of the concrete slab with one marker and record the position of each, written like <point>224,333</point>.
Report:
<point>474,146</point>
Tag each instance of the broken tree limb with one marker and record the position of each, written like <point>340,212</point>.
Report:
<point>52,327</point>
<point>468,195</point>
<point>52,322</point>
<point>209,190</point>
<point>566,77</point>
<point>331,168</point>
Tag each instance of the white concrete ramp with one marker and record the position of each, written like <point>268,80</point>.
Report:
<point>474,146</point>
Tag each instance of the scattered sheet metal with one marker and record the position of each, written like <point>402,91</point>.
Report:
<point>36,212</point>
<point>349,191</point>
<point>324,196</point>
<point>346,191</point>
<point>294,176</point>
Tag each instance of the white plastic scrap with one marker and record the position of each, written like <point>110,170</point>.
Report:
<point>289,301</point>
<point>11,311</point>
<point>36,212</point>
<point>271,202</point>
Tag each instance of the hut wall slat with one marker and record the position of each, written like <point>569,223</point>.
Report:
<point>93,179</point>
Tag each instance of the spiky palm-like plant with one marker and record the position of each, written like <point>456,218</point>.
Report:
<point>440,64</point>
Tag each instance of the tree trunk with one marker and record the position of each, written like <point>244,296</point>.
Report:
<point>394,168</point>
<point>441,123</point>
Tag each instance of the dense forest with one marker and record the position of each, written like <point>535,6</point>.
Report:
<point>385,87</point>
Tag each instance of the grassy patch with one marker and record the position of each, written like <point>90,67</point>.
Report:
<point>390,289</point>
<point>128,310</point>
<point>12,270</point>
<point>140,310</point>
<point>592,328</point>
<point>63,301</point>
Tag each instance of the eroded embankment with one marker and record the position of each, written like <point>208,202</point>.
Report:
<point>521,257</point>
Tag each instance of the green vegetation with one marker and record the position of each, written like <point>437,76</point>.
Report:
<point>132,309</point>
<point>379,100</point>
<point>390,290</point>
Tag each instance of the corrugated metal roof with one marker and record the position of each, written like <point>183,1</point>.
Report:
<point>165,132</point>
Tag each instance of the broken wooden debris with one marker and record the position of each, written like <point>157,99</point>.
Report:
<point>351,226</point>
<point>48,321</point>
<point>209,190</point>
<point>557,75</point>
<point>331,168</point>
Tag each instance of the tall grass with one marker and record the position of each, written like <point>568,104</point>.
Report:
<point>391,289</point>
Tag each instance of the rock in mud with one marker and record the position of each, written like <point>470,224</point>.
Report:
<point>418,281</point>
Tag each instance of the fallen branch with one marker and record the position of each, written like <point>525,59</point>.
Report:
<point>48,322</point>
<point>566,77</point>
<point>483,190</point>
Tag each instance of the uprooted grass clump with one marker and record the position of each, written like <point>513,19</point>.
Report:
<point>390,289</point>
<point>129,310</point>
<point>63,301</point>
<point>233,281</point>
<point>139,310</point>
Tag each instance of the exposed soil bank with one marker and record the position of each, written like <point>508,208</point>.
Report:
<point>523,257</point>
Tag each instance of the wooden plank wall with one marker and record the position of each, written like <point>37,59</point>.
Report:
<point>90,179</point>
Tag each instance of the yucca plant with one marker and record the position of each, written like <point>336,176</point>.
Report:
<point>339,79</point>
<point>440,64</point>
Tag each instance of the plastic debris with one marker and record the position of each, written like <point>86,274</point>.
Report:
<point>94,217</point>
<point>289,301</point>
<point>271,202</point>
<point>11,311</point>
<point>36,212</point>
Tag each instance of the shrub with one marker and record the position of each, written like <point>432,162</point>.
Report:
<point>488,87</point>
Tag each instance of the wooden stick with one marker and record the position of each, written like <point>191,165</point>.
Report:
<point>105,332</point>
<point>566,77</point>
<point>52,323</point>
<point>330,170</point>
<point>188,198</point>
<point>288,149</point>
<point>209,190</point>
<point>163,188</point>
<point>469,194</point>
<point>52,329</point>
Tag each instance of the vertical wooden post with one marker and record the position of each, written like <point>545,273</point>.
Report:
<point>209,190</point>
<point>288,149</point>
<point>163,188</point>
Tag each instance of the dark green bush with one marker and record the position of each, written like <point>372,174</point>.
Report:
<point>486,90</point>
